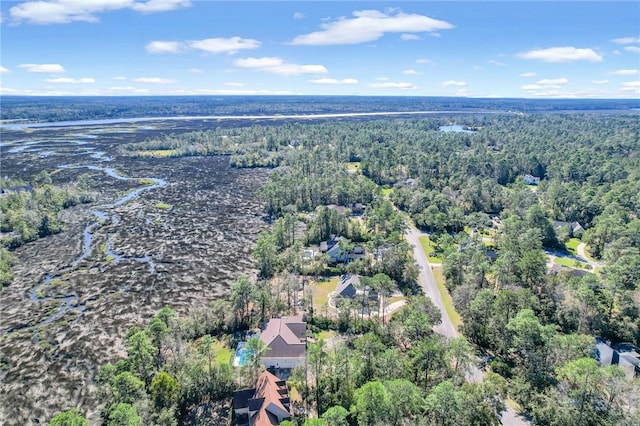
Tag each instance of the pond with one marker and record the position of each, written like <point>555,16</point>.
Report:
<point>455,128</point>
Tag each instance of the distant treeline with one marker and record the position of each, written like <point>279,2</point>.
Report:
<point>42,109</point>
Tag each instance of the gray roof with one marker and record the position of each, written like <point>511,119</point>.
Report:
<point>348,285</point>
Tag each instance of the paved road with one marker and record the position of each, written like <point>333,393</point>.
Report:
<point>428,283</point>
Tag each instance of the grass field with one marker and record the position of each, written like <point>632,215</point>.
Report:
<point>223,352</point>
<point>571,263</point>
<point>353,166</point>
<point>386,192</point>
<point>321,292</point>
<point>456,320</point>
<point>572,246</point>
<point>429,249</point>
<point>325,334</point>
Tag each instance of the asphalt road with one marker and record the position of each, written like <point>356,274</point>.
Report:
<point>428,283</point>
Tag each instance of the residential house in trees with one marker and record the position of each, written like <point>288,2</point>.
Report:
<point>285,339</point>
<point>267,404</point>
<point>348,285</point>
<point>531,180</point>
<point>337,253</point>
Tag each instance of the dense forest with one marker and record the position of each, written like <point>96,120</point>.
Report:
<point>493,232</point>
<point>49,108</point>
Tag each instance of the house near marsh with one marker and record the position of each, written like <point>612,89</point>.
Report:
<point>333,247</point>
<point>285,339</point>
<point>267,404</point>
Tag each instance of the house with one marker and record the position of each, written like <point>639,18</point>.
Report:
<point>348,285</point>
<point>285,339</point>
<point>576,228</point>
<point>267,404</point>
<point>624,355</point>
<point>531,180</point>
<point>325,246</point>
<point>573,228</point>
<point>411,183</point>
<point>357,209</point>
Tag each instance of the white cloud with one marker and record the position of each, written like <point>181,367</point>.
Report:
<point>8,91</point>
<point>599,82</point>
<point>69,80</point>
<point>632,87</point>
<point>410,37</point>
<point>633,49</point>
<point>164,47</point>
<point>152,6</point>
<point>450,83</point>
<point>496,63</point>
<point>152,80</point>
<point>393,85</point>
<point>411,72</point>
<point>298,15</point>
<point>3,70</point>
<point>334,81</point>
<point>278,66</point>
<point>546,84</point>
<point>210,45</point>
<point>626,72</point>
<point>626,40</point>
<point>561,54</point>
<point>423,61</point>
<point>234,84</point>
<point>224,45</point>
<point>196,70</point>
<point>44,68</point>
<point>65,11</point>
<point>370,25</point>
<point>528,74</point>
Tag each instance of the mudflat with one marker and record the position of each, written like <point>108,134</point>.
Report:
<point>162,232</point>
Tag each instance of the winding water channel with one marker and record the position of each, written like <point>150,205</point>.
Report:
<point>70,302</point>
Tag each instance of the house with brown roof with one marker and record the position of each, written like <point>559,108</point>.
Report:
<point>267,404</point>
<point>286,339</point>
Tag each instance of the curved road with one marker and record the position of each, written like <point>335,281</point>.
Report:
<point>428,283</point>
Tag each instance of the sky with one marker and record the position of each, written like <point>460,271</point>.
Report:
<point>542,49</point>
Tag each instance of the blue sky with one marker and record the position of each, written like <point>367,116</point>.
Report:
<point>543,49</point>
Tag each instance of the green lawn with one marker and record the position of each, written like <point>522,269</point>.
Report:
<point>321,292</point>
<point>223,352</point>
<point>429,249</point>
<point>386,192</point>
<point>571,263</point>
<point>324,335</point>
<point>456,320</point>
<point>572,246</point>
<point>353,166</point>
